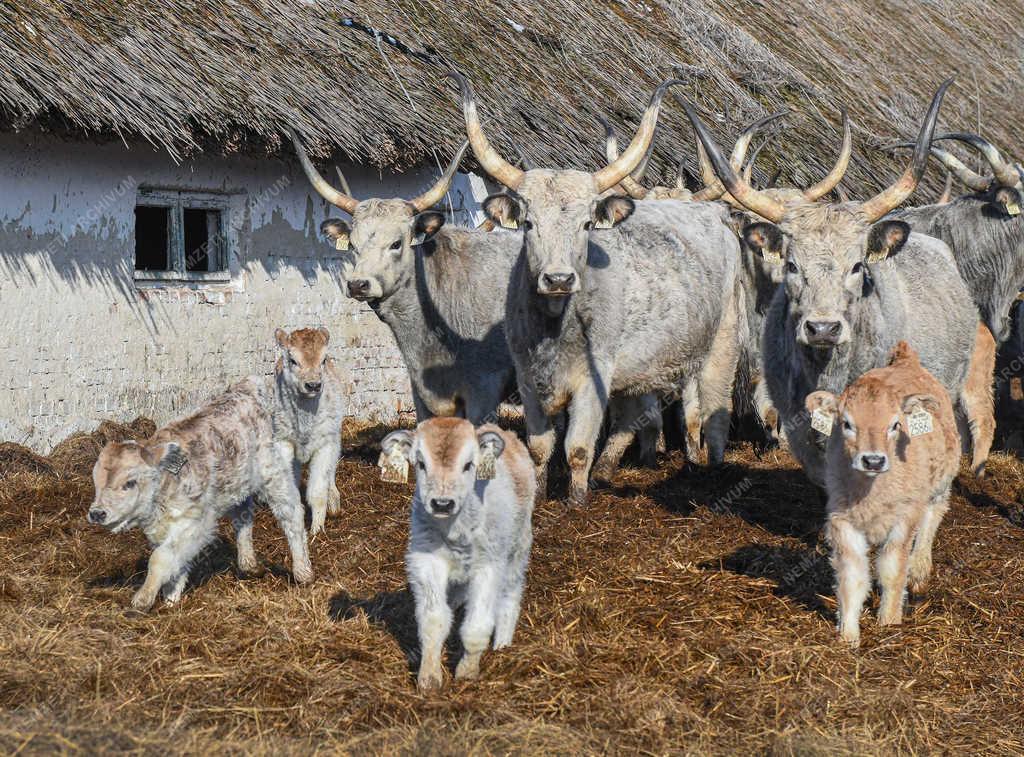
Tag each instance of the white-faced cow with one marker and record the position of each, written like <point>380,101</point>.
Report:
<point>611,295</point>
<point>854,286</point>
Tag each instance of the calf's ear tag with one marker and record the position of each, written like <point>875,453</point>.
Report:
<point>877,257</point>
<point>510,223</point>
<point>919,422</point>
<point>604,223</point>
<point>341,243</point>
<point>394,467</point>
<point>485,469</point>
<point>821,422</point>
<point>771,256</point>
<point>1013,208</point>
<point>174,461</point>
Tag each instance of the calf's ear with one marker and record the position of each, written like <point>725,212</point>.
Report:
<point>283,340</point>
<point>612,210</point>
<point>917,402</point>
<point>337,231</point>
<point>824,402</point>
<point>504,210</point>
<point>425,225</point>
<point>765,239</point>
<point>491,441</point>
<point>400,441</point>
<point>885,239</point>
<point>325,334</point>
<point>167,456</point>
<point>1008,199</point>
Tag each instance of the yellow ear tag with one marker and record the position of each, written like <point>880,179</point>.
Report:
<point>821,422</point>
<point>341,243</point>
<point>771,256</point>
<point>508,223</point>
<point>919,422</point>
<point>877,257</point>
<point>604,223</point>
<point>394,468</point>
<point>1013,208</point>
<point>485,469</point>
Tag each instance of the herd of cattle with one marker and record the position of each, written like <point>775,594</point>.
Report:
<point>861,335</point>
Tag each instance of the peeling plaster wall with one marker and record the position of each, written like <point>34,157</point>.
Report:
<point>81,341</point>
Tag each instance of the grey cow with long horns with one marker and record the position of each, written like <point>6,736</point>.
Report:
<point>854,286</point>
<point>611,295</point>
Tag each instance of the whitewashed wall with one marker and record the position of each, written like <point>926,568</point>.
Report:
<point>80,341</point>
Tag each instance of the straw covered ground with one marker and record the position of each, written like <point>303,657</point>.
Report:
<point>683,611</point>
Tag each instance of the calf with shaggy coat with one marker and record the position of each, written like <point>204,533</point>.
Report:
<point>178,484</point>
<point>308,411</point>
<point>892,454</point>
<point>470,535</point>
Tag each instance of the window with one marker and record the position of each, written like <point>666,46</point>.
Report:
<point>181,236</point>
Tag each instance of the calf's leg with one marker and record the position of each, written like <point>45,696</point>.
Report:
<point>481,601</point>
<point>853,576</point>
<point>241,520</point>
<point>920,568</point>
<point>428,579</point>
<point>322,468</point>
<point>891,565</point>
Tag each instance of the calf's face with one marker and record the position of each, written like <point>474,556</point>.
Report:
<point>127,477</point>
<point>381,244</point>
<point>822,253</point>
<point>303,359</point>
<point>445,453</point>
<point>872,422</point>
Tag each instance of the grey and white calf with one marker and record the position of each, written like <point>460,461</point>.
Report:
<point>178,484</point>
<point>308,412</point>
<point>985,230</point>
<point>441,291</point>
<point>853,287</point>
<point>470,536</point>
<point>595,310</point>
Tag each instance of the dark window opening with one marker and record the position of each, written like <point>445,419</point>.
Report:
<point>152,239</point>
<point>202,239</point>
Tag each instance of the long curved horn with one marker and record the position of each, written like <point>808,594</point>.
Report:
<point>342,180</point>
<point>741,191</point>
<point>613,173</point>
<point>1004,172</point>
<point>499,168</point>
<point>830,182</point>
<point>896,193</point>
<point>320,184</point>
<point>947,190</point>
<point>631,184</point>
<point>434,195</point>
<point>748,169</point>
<point>713,188</point>
<point>953,165</point>
<point>681,174</point>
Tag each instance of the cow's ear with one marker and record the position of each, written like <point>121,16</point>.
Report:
<point>612,210</point>
<point>491,441</point>
<point>325,334</point>
<point>167,456</point>
<point>399,442</point>
<point>1008,200</point>
<point>822,402</point>
<point>916,402</point>
<point>766,240</point>
<point>886,239</point>
<point>425,225</point>
<point>337,231</point>
<point>283,340</point>
<point>504,210</point>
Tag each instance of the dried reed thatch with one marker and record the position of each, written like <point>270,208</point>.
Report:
<point>184,74</point>
<point>682,612</point>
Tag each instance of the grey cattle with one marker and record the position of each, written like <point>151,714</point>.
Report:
<point>469,536</point>
<point>985,230</point>
<point>177,485</point>
<point>600,304</point>
<point>853,288</point>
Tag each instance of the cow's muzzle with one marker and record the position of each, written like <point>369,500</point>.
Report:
<point>558,283</point>
<point>823,333</point>
<point>97,516</point>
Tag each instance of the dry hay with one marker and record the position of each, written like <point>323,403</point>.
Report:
<point>683,611</point>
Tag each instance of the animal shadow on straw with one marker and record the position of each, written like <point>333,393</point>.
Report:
<point>977,493</point>
<point>395,611</point>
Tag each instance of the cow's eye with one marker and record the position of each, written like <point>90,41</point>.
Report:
<point>856,268</point>
<point>323,362</point>
<point>396,245</point>
<point>292,361</point>
<point>467,467</point>
<point>129,485</point>
<point>527,225</point>
<point>421,465</point>
<point>847,426</point>
<point>588,225</point>
<point>791,267</point>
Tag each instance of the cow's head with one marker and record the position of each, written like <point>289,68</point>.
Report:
<point>127,478</point>
<point>824,252</point>
<point>445,453</point>
<point>303,359</point>
<point>382,237</point>
<point>556,210</point>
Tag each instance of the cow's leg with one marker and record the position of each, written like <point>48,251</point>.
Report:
<point>484,402</point>
<point>322,467</point>
<point>920,568</point>
<point>481,601</point>
<point>853,576</point>
<point>165,564</point>
<point>631,417</point>
<point>174,588</point>
<point>764,408</point>
<point>540,439</point>
<point>282,497</point>
<point>586,413</point>
<point>891,567</point>
<point>241,520</point>
<point>506,614</point>
<point>428,579</point>
<point>979,411</point>
<point>716,379</point>
<point>422,411</point>
<point>692,420</point>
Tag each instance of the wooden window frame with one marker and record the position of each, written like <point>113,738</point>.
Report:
<point>176,201</point>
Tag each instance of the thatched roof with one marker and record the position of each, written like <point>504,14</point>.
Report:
<point>190,75</point>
